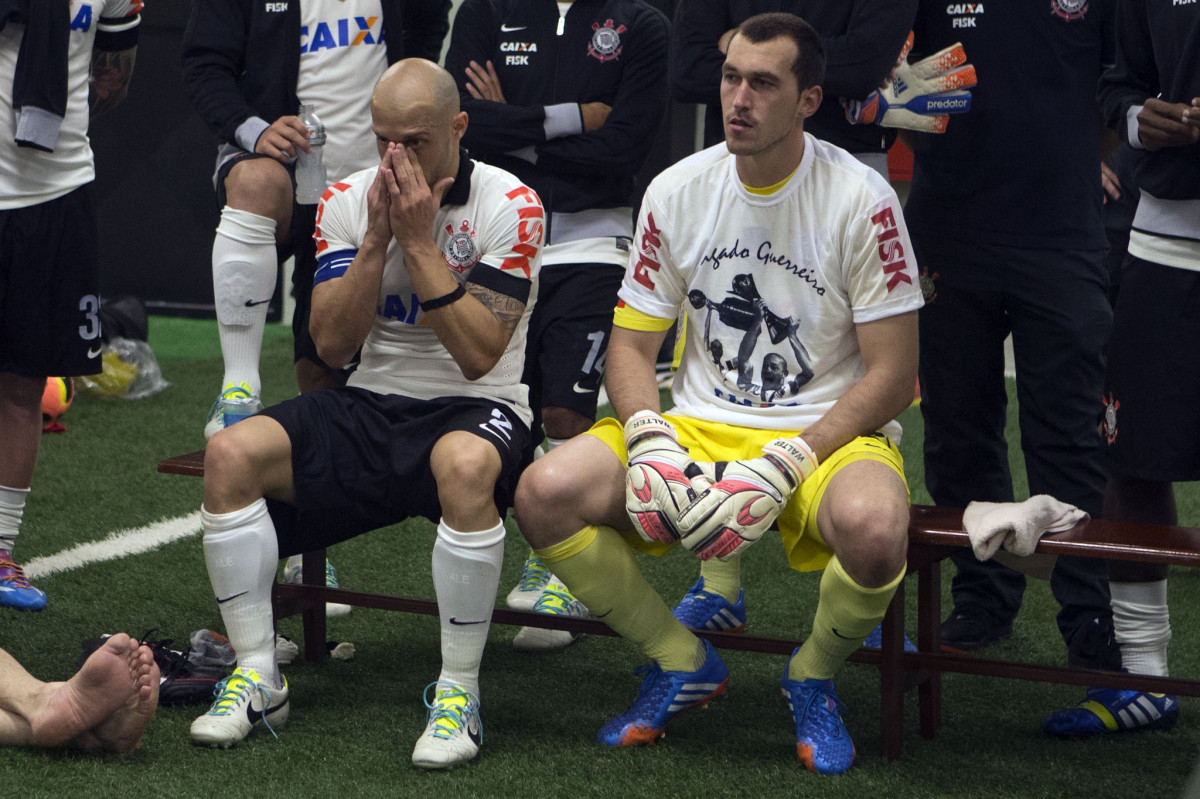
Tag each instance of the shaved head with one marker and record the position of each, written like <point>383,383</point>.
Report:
<point>415,82</point>
<point>415,105</point>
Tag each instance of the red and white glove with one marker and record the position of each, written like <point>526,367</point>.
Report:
<point>735,511</point>
<point>661,479</point>
<point>919,96</point>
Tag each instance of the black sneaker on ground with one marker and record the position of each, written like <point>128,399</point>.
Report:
<point>182,682</point>
<point>970,628</point>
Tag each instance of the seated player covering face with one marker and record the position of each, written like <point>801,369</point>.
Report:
<point>822,238</point>
<point>427,264</point>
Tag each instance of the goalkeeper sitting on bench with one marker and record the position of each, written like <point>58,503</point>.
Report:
<point>808,247</point>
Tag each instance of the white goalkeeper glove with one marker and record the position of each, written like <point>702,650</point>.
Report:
<point>735,511</point>
<point>919,96</point>
<point>661,479</point>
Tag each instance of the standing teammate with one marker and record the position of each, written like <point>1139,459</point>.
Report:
<point>822,238</point>
<point>247,67</point>
<point>1151,97</point>
<point>436,406</point>
<point>568,97</point>
<point>1022,254</point>
<point>60,63</point>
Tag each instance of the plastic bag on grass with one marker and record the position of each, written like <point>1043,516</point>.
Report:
<point>130,371</point>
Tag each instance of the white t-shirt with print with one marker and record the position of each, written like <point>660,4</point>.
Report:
<point>773,285</point>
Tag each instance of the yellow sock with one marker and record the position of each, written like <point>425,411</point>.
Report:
<point>723,577</point>
<point>600,570</point>
<point>846,615</point>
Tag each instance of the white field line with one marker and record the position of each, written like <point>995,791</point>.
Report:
<point>120,544</point>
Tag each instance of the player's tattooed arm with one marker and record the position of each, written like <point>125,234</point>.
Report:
<point>109,80</point>
<point>506,309</point>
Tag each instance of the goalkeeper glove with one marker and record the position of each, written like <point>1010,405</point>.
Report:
<point>661,479</point>
<point>735,511</point>
<point>919,96</point>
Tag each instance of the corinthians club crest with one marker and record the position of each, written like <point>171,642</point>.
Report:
<point>1069,9</point>
<point>606,41</point>
<point>460,251</point>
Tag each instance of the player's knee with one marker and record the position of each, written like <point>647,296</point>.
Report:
<point>229,467</point>
<point>874,537</point>
<point>261,186</point>
<point>466,467</point>
<point>543,492</point>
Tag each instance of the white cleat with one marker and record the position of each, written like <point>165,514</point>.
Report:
<point>293,573</point>
<point>244,701</point>
<point>556,600</point>
<point>528,590</point>
<point>453,733</point>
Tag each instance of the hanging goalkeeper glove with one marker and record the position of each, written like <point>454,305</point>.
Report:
<point>661,479</point>
<point>919,96</point>
<point>735,511</point>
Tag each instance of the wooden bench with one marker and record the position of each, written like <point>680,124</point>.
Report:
<point>934,535</point>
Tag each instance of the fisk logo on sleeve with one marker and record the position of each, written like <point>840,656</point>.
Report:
<point>529,230</point>
<point>890,249</point>
<point>647,263</point>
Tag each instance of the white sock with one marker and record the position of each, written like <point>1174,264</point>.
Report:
<point>244,275</point>
<point>242,553</point>
<point>552,443</point>
<point>466,574</point>
<point>12,508</point>
<point>1142,626</point>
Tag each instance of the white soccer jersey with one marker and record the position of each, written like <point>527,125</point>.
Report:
<point>342,55</point>
<point>499,225</point>
<point>29,176</point>
<point>772,285</point>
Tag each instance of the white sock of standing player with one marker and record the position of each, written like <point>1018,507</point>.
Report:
<point>244,277</point>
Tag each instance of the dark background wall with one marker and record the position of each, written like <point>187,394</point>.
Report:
<point>154,164</point>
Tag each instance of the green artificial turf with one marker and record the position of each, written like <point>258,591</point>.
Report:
<point>353,723</point>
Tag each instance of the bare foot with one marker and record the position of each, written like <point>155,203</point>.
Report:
<point>100,688</point>
<point>122,730</point>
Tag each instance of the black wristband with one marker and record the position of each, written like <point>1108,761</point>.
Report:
<point>445,299</point>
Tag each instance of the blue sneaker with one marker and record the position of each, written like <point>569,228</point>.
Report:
<point>822,742</point>
<point>702,610</point>
<point>1107,710</point>
<point>234,395</point>
<point>875,640</point>
<point>15,590</point>
<point>663,695</point>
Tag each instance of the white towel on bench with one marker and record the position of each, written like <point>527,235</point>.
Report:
<point>1017,526</point>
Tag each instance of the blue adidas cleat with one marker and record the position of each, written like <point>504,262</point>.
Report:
<point>703,610</point>
<point>662,696</point>
<point>15,590</point>
<point>875,640</point>
<point>822,742</point>
<point>1107,710</point>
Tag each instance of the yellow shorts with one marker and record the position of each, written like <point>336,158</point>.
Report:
<point>713,441</point>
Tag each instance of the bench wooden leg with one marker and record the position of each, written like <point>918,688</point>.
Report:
<point>891,678</point>
<point>929,639</point>
<point>313,573</point>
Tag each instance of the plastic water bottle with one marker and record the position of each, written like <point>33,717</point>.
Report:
<point>236,409</point>
<point>310,168</point>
